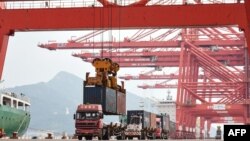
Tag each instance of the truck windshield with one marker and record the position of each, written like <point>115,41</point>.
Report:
<point>135,120</point>
<point>87,115</point>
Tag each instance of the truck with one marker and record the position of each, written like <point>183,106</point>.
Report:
<point>101,96</point>
<point>89,123</point>
<point>141,124</point>
<point>147,125</point>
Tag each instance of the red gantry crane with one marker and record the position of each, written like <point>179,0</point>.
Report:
<point>231,88</point>
<point>195,90</point>
<point>205,91</point>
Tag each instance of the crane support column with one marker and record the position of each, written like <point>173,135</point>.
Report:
<point>3,48</point>
<point>247,27</point>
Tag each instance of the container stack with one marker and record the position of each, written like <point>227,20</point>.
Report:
<point>112,101</point>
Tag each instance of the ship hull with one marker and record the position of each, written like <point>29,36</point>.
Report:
<point>14,120</point>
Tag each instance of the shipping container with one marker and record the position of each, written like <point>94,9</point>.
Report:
<point>110,101</point>
<point>101,95</point>
<point>121,103</point>
<point>172,128</point>
<point>165,122</point>
<point>152,120</point>
<point>144,114</point>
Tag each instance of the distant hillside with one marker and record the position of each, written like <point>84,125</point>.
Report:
<point>54,102</point>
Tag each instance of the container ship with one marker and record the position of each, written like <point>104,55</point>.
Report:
<point>14,114</point>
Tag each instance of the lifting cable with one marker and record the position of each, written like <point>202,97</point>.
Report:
<point>93,35</point>
<point>110,32</point>
<point>119,30</point>
<point>102,24</point>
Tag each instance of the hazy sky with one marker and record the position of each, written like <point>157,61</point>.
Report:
<point>26,63</point>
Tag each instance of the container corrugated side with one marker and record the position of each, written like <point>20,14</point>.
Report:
<point>172,127</point>
<point>93,95</point>
<point>121,103</point>
<point>103,96</point>
<point>110,101</point>
<point>146,119</point>
<point>166,122</point>
<point>153,120</point>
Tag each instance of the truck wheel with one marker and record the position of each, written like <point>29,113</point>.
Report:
<point>79,137</point>
<point>88,137</point>
<point>130,138</point>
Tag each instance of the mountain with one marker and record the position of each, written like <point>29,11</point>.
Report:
<point>53,103</point>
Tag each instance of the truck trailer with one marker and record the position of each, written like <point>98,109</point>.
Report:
<point>147,125</point>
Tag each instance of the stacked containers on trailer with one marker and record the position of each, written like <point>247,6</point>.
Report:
<point>144,114</point>
<point>113,102</point>
<point>103,96</point>
<point>166,122</point>
<point>151,132</point>
<point>152,121</point>
<point>165,125</point>
<point>172,129</point>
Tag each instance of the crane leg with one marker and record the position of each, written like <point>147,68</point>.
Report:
<point>3,48</point>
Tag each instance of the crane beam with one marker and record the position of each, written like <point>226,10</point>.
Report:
<point>163,53</point>
<point>138,44</point>
<point>166,59</point>
<point>125,17</point>
<point>160,64</point>
<point>158,86</point>
<point>122,18</point>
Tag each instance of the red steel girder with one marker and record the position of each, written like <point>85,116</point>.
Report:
<point>227,119</point>
<point>158,64</point>
<point>139,44</point>
<point>228,61</point>
<point>214,108</point>
<point>170,58</point>
<point>86,37</point>
<point>158,86</point>
<point>131,17</point>
<point>218,69</point>
<point>145,53</point>
<point>149,76</point>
